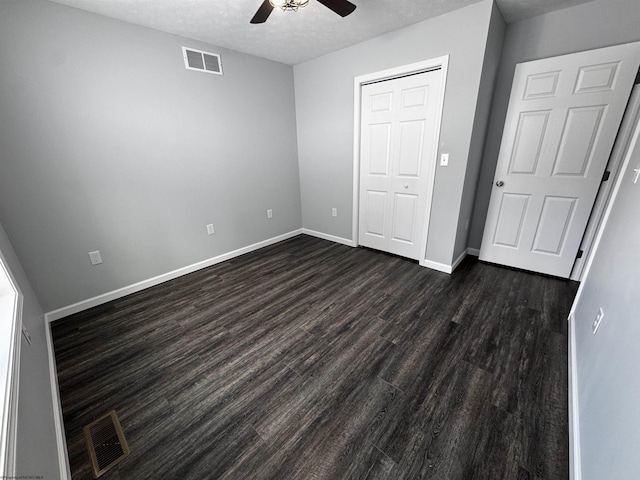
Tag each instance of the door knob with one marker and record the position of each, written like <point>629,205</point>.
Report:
<point>499,183</point>
<point>406,185</point>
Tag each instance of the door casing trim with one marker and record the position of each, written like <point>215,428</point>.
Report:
<point>390,74</point>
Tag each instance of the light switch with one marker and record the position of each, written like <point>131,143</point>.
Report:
<point>444,160</point>
<point>597,321</point>
<point>26,334</point>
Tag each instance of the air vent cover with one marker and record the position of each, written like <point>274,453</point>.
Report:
<point>105,442</point>
<point>202,61</point>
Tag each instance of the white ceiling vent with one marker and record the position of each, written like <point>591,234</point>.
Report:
<point>202,61</point>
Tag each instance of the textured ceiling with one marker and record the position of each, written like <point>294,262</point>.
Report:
<point>291,37</point>
<point>514,10</point>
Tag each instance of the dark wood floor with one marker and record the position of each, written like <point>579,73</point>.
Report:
<point>312,360</point>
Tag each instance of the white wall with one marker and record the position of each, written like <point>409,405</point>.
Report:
<point>596,24</point>
<point>324,115</point>
<point>109,143</point>
<point>607,363</point>
<point>37,452</point>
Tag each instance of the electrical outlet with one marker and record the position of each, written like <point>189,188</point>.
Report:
<point>210,229</point>
<point>334,212</point>
<point>95,257</point>
<point>598,320</point>
<point>444,160</point>
<point>269,213</point>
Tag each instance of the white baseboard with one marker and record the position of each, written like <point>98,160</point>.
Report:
<point>473,251</point>
<point>136,287</point>
<point>331,238</point>
<point>61,439</point>
<point>441,267</point>
<point>575,472</point>
<point>458,260</point>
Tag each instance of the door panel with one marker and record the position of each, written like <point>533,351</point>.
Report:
<point>376,213</point>
<point>410,150</point>
<point>551,232</point>
<point>381,102</point>
<point>398,145</point>
<point>380,144</point>
<point>404,212</point>
<point>532,127</point>
<point>414,97</point>
<point>541,85</point>
<point>581,133</point>
<point>563,117</point>
<point>510,219</point>
<point>597,78</point>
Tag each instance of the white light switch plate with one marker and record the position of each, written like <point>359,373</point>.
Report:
<point>26,334</point>
<point>444,160</point>
<point>598,320</point>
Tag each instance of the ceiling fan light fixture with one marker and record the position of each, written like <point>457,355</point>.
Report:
<point>291,5</point>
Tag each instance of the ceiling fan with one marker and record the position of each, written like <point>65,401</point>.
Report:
<point>341,7</point>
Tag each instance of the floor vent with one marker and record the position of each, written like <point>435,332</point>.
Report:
<point>105,442</point>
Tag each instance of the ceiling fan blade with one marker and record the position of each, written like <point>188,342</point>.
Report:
<point>341,7</point>
<point>263,13</point>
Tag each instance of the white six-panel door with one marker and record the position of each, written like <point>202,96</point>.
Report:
<point>398,135</point>
<point>563,117</point>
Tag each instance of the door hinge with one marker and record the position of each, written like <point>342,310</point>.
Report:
<point>579,255</point>
<point>606,175</point>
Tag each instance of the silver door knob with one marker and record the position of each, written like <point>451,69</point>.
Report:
<point>499,183</point>
<point>406,185</point>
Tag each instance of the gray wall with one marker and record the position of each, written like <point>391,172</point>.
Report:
<point>324,115</point>
<point>597,24</point>
<point>490,65</point>
<point>607,363</point>
<point>37,452</point>
<point>108,143</point>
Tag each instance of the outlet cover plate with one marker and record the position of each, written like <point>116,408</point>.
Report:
<point>95,257</point>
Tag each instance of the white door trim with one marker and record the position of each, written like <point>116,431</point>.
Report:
<point>12,303</point>
<point>58,419</point>
<point>418,67</point>
<point>620,148</point>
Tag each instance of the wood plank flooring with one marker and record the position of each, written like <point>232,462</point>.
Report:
<point>313,360</point>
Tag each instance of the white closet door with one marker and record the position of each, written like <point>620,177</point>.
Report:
<point>398,135</point>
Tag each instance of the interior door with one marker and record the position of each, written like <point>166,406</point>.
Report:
<point>398,148</point>
<point>563,117</point>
